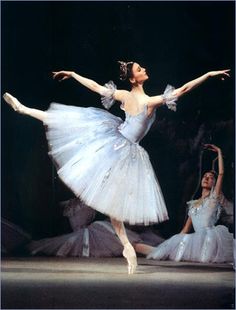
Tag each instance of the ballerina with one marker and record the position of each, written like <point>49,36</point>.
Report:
<point>209,243</point>
<point>98,156</point>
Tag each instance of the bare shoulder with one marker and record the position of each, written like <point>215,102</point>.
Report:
<point>121,95</point>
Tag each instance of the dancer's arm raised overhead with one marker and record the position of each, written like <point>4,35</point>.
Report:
<point>157,101</point>
<point>219,180</point>
<point>90,84</point>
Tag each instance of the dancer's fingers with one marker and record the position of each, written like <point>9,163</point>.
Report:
<point>58,76</point>
<point>55,74</point>
<point>225,74</point>
<point>211,147</point>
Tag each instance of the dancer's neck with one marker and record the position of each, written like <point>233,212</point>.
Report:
<point>205,193</point>
<point>137,89</point>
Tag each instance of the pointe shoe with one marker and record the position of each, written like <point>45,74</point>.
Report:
<point>131,257</point>
<point>14,103</point>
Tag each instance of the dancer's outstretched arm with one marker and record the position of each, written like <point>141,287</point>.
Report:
<point>219,181</point>
<point>90,84</point>
<point>157,101</point>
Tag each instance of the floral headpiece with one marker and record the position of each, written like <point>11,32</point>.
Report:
<point>123,69</point>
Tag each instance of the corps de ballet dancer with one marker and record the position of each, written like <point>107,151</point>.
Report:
<point>98,156</point>
<point>90,237</point>
<point>210,243</point>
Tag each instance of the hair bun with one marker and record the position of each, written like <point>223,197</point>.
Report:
<point>124,69</point>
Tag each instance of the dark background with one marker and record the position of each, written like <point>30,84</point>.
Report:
<point>175,41</point>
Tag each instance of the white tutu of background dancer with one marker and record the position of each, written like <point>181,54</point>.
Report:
<point>90,238</point>
<point>209,243</point>
<point>98,156</point>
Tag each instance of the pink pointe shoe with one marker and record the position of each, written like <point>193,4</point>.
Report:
<point>130,255</point>
<point>14,103</point>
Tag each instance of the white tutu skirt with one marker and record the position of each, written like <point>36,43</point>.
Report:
<point>213,244</point>
<point>97,240</point>
<point>107,171</point>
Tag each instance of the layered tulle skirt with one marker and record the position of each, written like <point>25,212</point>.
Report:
<point>211,244</point>
<point>107,171</point>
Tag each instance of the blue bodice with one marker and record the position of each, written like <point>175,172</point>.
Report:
<point>206,214</point>
<point>135,127</point>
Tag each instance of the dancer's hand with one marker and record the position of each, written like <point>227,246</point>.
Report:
<point>62,75</point>
<point>212,147</point>
<point>221,73</point>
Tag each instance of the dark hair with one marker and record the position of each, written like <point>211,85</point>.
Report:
<point>129,70</point>
<point>126,70</point>
<point>212,172</point>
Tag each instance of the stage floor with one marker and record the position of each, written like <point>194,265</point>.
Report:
<point>92,283</point>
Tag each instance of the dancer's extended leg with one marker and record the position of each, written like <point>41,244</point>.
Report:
<point>20,108</point>
<point>143,248</point>
<point>128,252</point>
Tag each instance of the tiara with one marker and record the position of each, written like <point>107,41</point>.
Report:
<point>123,69</point>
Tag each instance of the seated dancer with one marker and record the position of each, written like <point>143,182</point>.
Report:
<point>98,155</point>
<point>209,243</point>
<point>89,239</point>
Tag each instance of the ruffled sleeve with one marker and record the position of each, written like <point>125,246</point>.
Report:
<point>216,201</point>
<point>191,203</point>
<point>217,198</point>
<point>107,95</point>
<point>169,98</point>
<point>218,213</point>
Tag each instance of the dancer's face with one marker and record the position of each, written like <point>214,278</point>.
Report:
<point>208,180</point>
<point>139,74</point>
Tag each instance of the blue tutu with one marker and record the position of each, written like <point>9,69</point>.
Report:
<point>209,243</point>
<point>99,158</point>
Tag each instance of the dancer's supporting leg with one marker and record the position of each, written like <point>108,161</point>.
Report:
<point>128,252</point>
<point>20,108</point>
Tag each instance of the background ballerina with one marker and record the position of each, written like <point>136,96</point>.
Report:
<point>90,237</point>
<point>98,156</point>
<point>210,242</point>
